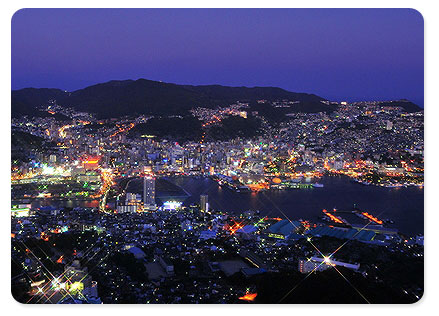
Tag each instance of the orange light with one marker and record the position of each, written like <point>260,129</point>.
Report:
<point>332,217</point>
<point>60,259</point>
<point>372,218</point>
<point>250,297</point>
<point>91,161</point>
<point>277,180</point>
<point>44,236</point>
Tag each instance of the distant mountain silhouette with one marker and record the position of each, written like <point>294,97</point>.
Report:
<point>405,104</point>
<point>26,101</point>
<point>132,97</point>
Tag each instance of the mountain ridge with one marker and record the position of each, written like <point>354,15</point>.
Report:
<point>116,98</point>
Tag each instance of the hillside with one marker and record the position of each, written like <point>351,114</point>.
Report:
<point>180,129</point>
<point>133,97</point>
<point>405,104</point>
<point>25,101</point>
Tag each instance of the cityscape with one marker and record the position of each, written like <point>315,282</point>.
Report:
<point>142,191</point>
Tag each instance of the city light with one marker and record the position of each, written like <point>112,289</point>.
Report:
<point>136,208</point>
<point>250,297</point>
<point>172,205</point>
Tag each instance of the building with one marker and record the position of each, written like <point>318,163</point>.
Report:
<point>91,163</point>
<point>284,229</point>
<point>253,258</point>
<point>75,273</point>
<point>88,176</point>
<point>204,204</point>
<point>133,204</point>
<point>21,210</point>
<point>137,252</point>
<point>166,265</point>
<point>149,193</point>
<point>389,125</point>
<point>78,283</point>
<point>52,158</point>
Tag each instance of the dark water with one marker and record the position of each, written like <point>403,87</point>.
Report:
<point>164,188</point>
<point>405,206</point>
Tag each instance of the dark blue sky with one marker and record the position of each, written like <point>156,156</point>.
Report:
<point>352,54</point>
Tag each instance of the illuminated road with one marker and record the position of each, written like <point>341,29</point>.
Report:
<point>107,181</point>
<point>107,177</point>
<point>62,130</point>
<point>122,129</point>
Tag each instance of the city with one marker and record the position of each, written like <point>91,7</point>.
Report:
<point>124,230</point>
<point>217,156</point>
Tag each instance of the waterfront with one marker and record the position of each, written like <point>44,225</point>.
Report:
<point>405,206</point>
<point>217,156</point>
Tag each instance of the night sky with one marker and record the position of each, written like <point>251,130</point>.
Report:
<point>339,54</point>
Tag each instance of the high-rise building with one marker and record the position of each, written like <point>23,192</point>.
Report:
<point>52,158</point>
<point>389,125</point>
<point>149,192</point>
<point>133,204</point>
<point>204,203</point>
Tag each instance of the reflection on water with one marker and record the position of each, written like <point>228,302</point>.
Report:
<point>403,205</point>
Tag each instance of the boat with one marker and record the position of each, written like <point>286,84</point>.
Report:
<point>318,185</point>
<point>240,189</point>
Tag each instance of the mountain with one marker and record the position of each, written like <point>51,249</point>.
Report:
<point>25,101</point>
<point>20,139</point>
<point>176,128</point>
<point>129,97</point>
<point>132,97</point>
<point>405,104</point>
<point>22,144</point>
<point>232,94</point>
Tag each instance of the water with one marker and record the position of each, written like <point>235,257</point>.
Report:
<point>405,206</point>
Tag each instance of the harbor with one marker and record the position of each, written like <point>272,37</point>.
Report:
<point>400,208</point>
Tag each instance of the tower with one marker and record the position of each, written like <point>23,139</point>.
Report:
<point>204,203</point>
<point>149,192</point>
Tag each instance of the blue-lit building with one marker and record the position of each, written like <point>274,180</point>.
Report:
<point>284,229</point>
<point>352,233</point>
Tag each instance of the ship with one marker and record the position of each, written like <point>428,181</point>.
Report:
<point>318,185</point>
